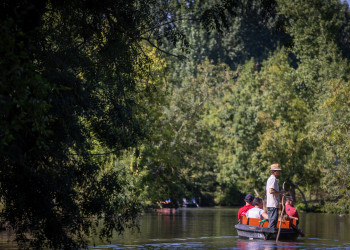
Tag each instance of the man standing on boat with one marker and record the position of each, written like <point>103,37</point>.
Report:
<point>273,195</point>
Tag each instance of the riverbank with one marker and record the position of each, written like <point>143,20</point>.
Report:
<point>324,207</point>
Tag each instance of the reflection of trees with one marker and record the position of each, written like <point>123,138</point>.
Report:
<point>264,245</point>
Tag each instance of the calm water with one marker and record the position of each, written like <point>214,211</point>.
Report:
<point>213,228</point>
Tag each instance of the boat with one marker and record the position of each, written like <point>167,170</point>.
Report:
<point>253,228</point>
<point>192,203</point>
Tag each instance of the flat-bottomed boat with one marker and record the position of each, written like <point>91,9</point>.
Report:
<point>258,229</point>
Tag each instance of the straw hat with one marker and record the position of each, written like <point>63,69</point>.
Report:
<point>275,167</point>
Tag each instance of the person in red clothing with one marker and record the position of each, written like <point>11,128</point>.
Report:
<point>290,210</point>
<point>248,205</point>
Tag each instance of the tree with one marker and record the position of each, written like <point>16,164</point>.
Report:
<point>233,121</point>
<point>314,27</point>
<point>69,72</point>
<point>331,131</point>
<point>178,158</point>
<point>318,29</point>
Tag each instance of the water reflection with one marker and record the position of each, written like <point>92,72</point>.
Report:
<point>264,245</point>
<point>166,211</point>
<point>326,226</point>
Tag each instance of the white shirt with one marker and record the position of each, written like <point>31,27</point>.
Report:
<point>272,199</point>
<point>255,213</point>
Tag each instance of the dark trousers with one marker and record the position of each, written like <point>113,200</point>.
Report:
<point>272,212</point>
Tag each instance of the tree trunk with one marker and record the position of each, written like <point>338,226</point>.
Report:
<point>292,193</point>
<point>302,194</point>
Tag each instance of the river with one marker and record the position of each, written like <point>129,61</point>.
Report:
<point>213,228</point>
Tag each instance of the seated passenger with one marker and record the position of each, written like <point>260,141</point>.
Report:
<point>290,210</point>
<point>257,211</point>
<point>248,205</point>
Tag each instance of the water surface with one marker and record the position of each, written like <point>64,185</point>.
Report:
<point>213,228</point>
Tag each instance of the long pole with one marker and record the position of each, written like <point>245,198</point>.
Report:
<point>279,229</point>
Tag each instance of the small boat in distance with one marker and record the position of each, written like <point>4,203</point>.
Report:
<point>258,229</point>
<point>191,203</point>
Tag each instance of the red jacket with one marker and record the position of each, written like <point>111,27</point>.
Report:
<point>291,211</point>
<point>244,210</point>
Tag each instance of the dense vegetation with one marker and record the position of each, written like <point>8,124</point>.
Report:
<point>110,106</point>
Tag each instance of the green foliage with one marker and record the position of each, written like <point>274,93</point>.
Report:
<point>70,93</point>
<point>312,209</point>
<point>287,109</point>
<point>264,113</point>
<point>316,27</point>
<point>300,206</point>
<point>237,128</point>
<point>98,116</point>
<point>331,131</point>
<point>248,29</point>
<point>342,207</point>
<point>178,159</point>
